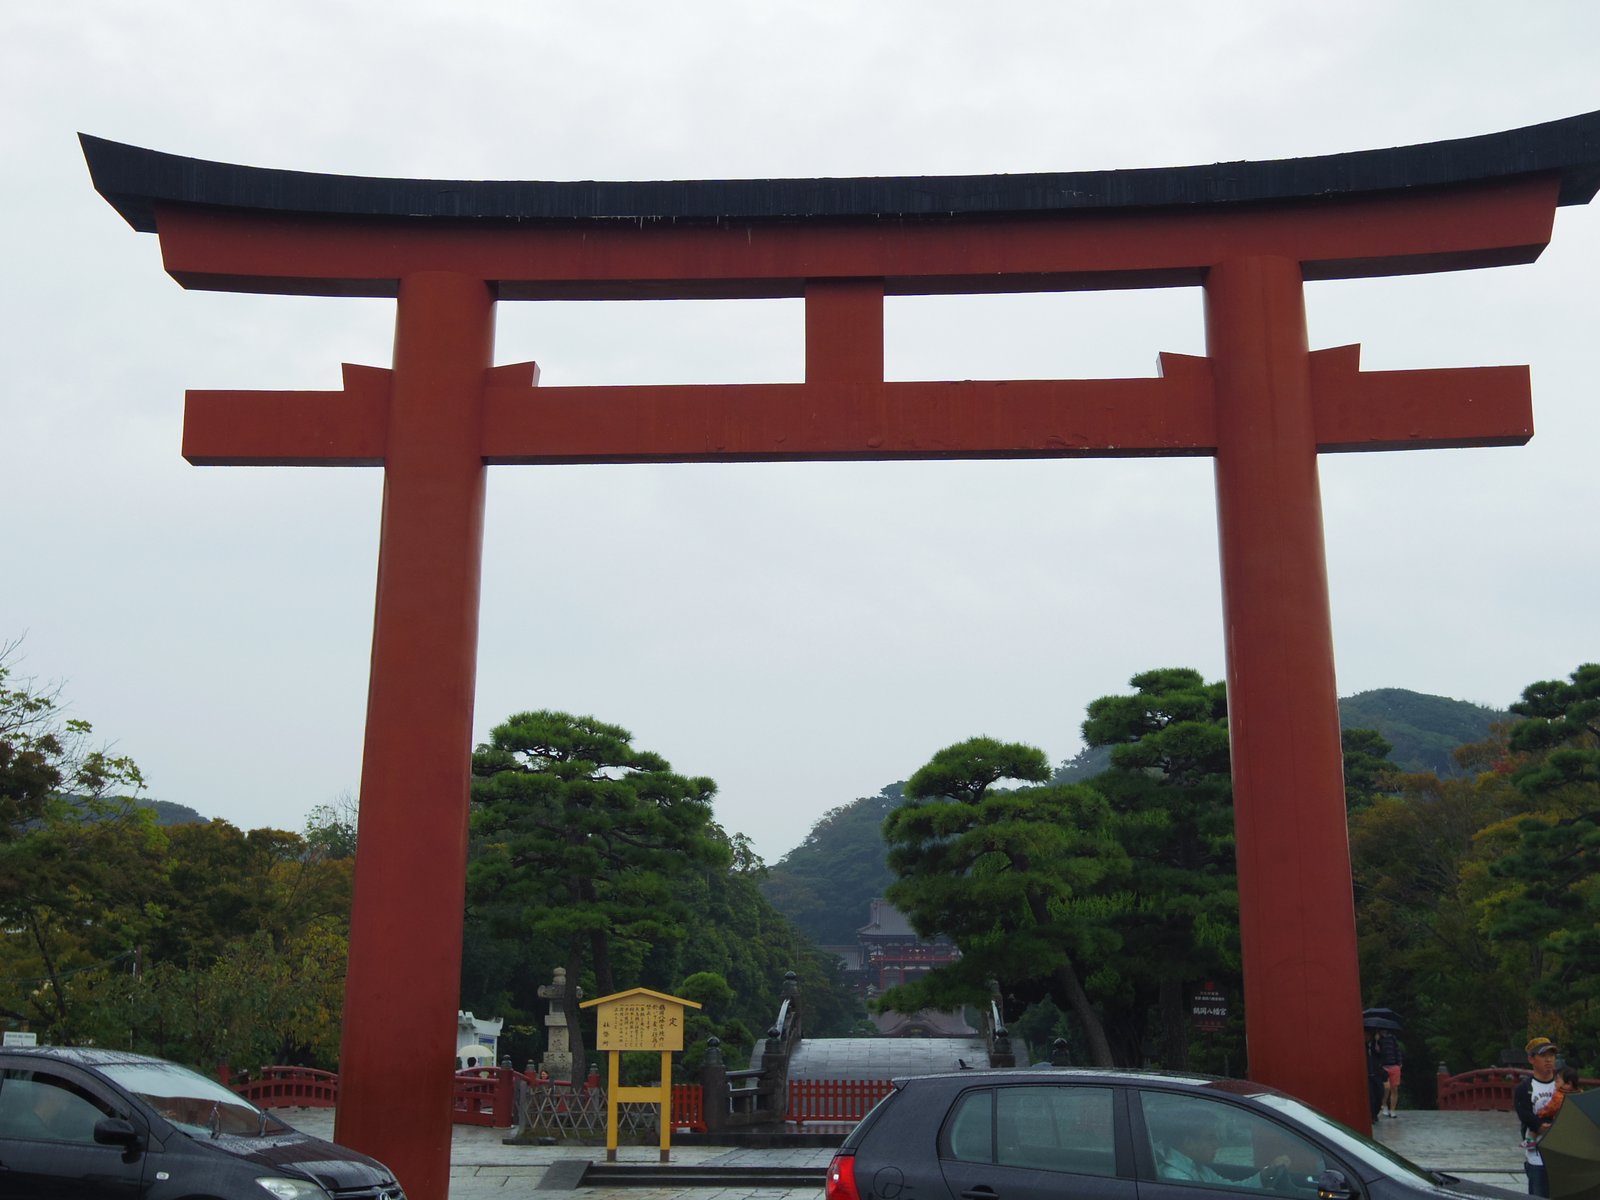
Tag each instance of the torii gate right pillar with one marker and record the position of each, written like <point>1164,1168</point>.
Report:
<point>1296,913</point>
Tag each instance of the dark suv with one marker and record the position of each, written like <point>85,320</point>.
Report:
<point>86,1124</point>
<point>1041,1134</point>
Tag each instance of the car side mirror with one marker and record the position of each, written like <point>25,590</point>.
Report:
<point>1332,1185</point>
<point>114,1131</point>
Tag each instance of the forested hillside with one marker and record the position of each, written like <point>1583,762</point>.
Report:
<point>168,813</point>
<point>824,884</point>
<point>1100,899</point>
<point>1424,730</point>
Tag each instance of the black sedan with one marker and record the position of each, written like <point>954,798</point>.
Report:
<point>87,1124</point>
<point>1041,1134</point>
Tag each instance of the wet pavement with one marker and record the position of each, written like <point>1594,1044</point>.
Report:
<point>1480,1146</point>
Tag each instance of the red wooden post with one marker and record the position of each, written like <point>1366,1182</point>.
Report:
<point>1296,907</point>
<point>844,330</point>
<point>397,1074</point>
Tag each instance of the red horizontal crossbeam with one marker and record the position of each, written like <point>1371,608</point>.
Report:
<point>1413,410</point>
<point>1488,224</point>
<point>346,428</point>
<point>773,422</point>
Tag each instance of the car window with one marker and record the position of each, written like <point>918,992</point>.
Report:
<point>1043,1127</point>
<point>1196,1140</point>
<point>189,1100</point>
<point>41,1106</point>
<point>971,1137</point>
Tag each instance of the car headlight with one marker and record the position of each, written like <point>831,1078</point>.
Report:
<point>292,1189</point>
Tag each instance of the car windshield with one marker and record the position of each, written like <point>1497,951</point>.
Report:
<point>1347,1140</point>
<point>192,1102</point>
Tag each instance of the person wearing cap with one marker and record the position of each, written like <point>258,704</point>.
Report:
<point>1528,1097</point>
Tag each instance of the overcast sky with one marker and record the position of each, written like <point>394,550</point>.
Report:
<point>803,633</point>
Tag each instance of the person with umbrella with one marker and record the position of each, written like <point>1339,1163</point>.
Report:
<point>1383,1059</point>
<point>1571,1150</point>
<point>1528,1097</point>
<point>1375,1073</point>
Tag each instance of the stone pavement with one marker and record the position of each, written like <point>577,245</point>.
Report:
<point>1480,1146</point>
<point>482,1167</point>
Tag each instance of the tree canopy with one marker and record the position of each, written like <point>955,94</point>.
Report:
<point>1003,873</point>
<point>1177,912</point>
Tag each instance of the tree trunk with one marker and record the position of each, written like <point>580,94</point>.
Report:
<point>1174,1026</point>
<point>569,1005</point>
<point>1093,1032</point>
<point>600,954</point>
<point>1077,999</point>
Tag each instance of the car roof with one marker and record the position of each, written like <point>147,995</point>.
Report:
<point>88,1056</point>
<point>1104,1076</point>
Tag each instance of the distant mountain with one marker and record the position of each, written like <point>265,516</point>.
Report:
<point>826,884</point>
<point>1424,730</point>
<point>168,813</point>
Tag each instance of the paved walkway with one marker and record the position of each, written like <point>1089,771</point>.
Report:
<point>1477,1146</point>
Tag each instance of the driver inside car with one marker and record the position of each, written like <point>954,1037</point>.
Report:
<point>1189,1147</point>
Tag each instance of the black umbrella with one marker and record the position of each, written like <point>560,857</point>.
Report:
<point>1572,1148</point>
<point>1378,1023</point>
<point>1384,1014</point>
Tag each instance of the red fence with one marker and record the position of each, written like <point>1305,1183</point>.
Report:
<point>833,1099</point>
<point>1487,1088</point>
<point>689,1107</point>
<point>486,1096</point>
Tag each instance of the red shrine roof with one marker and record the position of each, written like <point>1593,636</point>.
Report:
<point>136,180</point>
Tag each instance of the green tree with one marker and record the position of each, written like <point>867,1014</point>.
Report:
<point>223,883</point>
<point>1419,862</point>
<point>578,838</point>
<point>1549,906</point>
<point>1561,736</point>
<point>1367,769</point>
<point>46,757</point>
<point>1004,875</point>
<point>331,828</point>
<point>734,932</point>
<point>75,893</point>
<point>711,991</point>
<point>1171,790</point>
<point>258,1004</point>
<point>78,862</point>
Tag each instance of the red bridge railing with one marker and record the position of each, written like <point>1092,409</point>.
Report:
<point>486,1096</point>
<point>1485,1089</point>
<point>289,1087</point>
<point>482,1096</point>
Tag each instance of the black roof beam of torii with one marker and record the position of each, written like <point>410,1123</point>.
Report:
<point>135,180</point>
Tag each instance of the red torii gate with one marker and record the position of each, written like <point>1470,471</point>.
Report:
<point>1260,402</point>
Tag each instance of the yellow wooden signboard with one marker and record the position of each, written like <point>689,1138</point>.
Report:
<point>639,1019</point>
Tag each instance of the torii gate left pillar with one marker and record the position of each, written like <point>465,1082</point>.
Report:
<point>409,895</point>
<point>1260,402</point>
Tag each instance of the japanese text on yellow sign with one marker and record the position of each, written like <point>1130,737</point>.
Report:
<point>640,1024</point>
